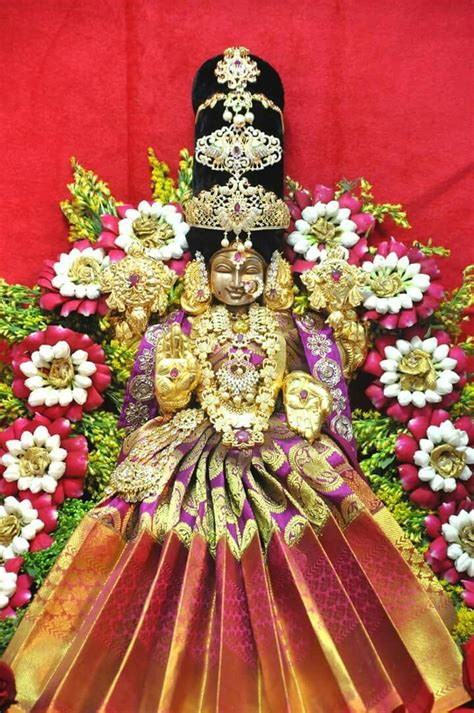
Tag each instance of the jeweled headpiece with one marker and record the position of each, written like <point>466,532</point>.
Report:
<point>238,206</point>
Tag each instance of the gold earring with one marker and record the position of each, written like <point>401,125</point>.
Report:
<point>278,293</point>
<point>196,296</point>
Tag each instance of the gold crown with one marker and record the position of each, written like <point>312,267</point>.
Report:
<point>237,207</point>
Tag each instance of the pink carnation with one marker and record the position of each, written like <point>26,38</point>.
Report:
<point>15,588</point>
<point>61,372</point>
<point>402,286</point>
<point>39,455</point>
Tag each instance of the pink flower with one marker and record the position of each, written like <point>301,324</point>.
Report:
<point>321,221</point>
<point>415,376</point>
<point>72,281</point>
<point>452,532</point>
<point>14,587</point>
<point>402,286</point>
<point>171,245</point>
<point>39,455</point>
<point>60,372</point>
<point>437,459</point>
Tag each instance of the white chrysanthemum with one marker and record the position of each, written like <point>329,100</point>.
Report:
<point>321,226</point>
<point>159,228</point>
<point>394,284</point>
<point>418,371</point>
<point>57,376</point>
<point>78,273</point>
<point>444,456</point>
<point>35,461</point>
<point>459,532</point>
<point>19,524</point>
<point>7,586</point>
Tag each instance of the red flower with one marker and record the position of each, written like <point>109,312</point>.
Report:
<point>72,281</point>
<point>415,376</point>
<point>437,463</point>
<point>60,372</point>
<point>402,287</point>
<point>40,455</point>
<point>14,593</point>
<point>7,686</point>
<point>437,554</point>
<point>468,666</point>
<point>352,225</point>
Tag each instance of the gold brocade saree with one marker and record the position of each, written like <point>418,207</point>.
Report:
<point>267,581</point>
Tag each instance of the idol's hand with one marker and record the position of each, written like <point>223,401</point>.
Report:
<point>307,403</point>
<point>176,372</point>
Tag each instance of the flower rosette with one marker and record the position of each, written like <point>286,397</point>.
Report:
<point>158,228</point>
<point>15,592</point>
<point>60,372</point>
<point>72,281</point>
<point>40,455</point>
<point>321,221</point>
<point>451,551</point>
<point>25,524</point>
<point>437,459</point>
<point>402,286</point>
<point>415,375</point>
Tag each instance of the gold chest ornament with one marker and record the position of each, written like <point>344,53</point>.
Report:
<point>239,396</point>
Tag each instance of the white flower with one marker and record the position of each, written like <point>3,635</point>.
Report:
<point>323,225</point>
<point>159,228</point>
<point>7,586</point>
<point>459,532</point>
<point>78,273</point>
<point>57,376</point>
<point>19,524</point>
<point>418,371</point>
<point>35,461</point>
<point>395,284</point>
<point>444,456</point>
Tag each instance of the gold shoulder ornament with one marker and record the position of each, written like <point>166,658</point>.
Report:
<point>335,287</point>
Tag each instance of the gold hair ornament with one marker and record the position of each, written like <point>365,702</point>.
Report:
<point>238,106</point>
<point>196,296</point>
<point>237,207</point>
<point>238,150</point>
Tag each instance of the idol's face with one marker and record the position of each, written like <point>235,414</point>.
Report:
<point>236,277</point>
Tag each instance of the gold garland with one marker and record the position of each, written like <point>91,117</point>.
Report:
<point>241,424</point>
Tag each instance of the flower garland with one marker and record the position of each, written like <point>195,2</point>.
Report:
<point>61,393</point>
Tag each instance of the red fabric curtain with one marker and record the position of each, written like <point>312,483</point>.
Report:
<point>374,89</point>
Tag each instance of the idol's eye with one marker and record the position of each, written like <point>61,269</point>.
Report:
<point>252,270</point>
<point>223,269</point>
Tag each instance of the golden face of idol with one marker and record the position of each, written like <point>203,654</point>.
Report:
<point>237,278</point>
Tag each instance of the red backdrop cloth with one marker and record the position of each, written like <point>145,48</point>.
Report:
<point>374,89</point>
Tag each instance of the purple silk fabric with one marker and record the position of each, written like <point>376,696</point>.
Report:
<point>322,356</point>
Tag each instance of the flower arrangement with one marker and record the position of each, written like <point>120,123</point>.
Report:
<point>63,380</point>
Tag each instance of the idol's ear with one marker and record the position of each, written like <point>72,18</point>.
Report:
<point>196,296</point>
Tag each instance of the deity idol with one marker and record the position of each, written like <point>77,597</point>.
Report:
<point>240,562</point>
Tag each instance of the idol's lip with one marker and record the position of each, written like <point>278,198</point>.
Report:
<point>236,293</point>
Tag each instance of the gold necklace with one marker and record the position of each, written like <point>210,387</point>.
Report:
<point>239,398</point>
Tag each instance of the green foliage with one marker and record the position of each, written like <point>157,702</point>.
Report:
<point>71,512</point>
<point>91,198</point>
<point>292,187</point>
<point>20,313</point>
<point>465,405</point>
<point>8,627</point>
<point>184,189</point>
<point>104,438</point>
<point>429,249</point>
<point>10,407</point>
<point>363,190</point>
<point>162,185</point>
<point>452,311</point>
